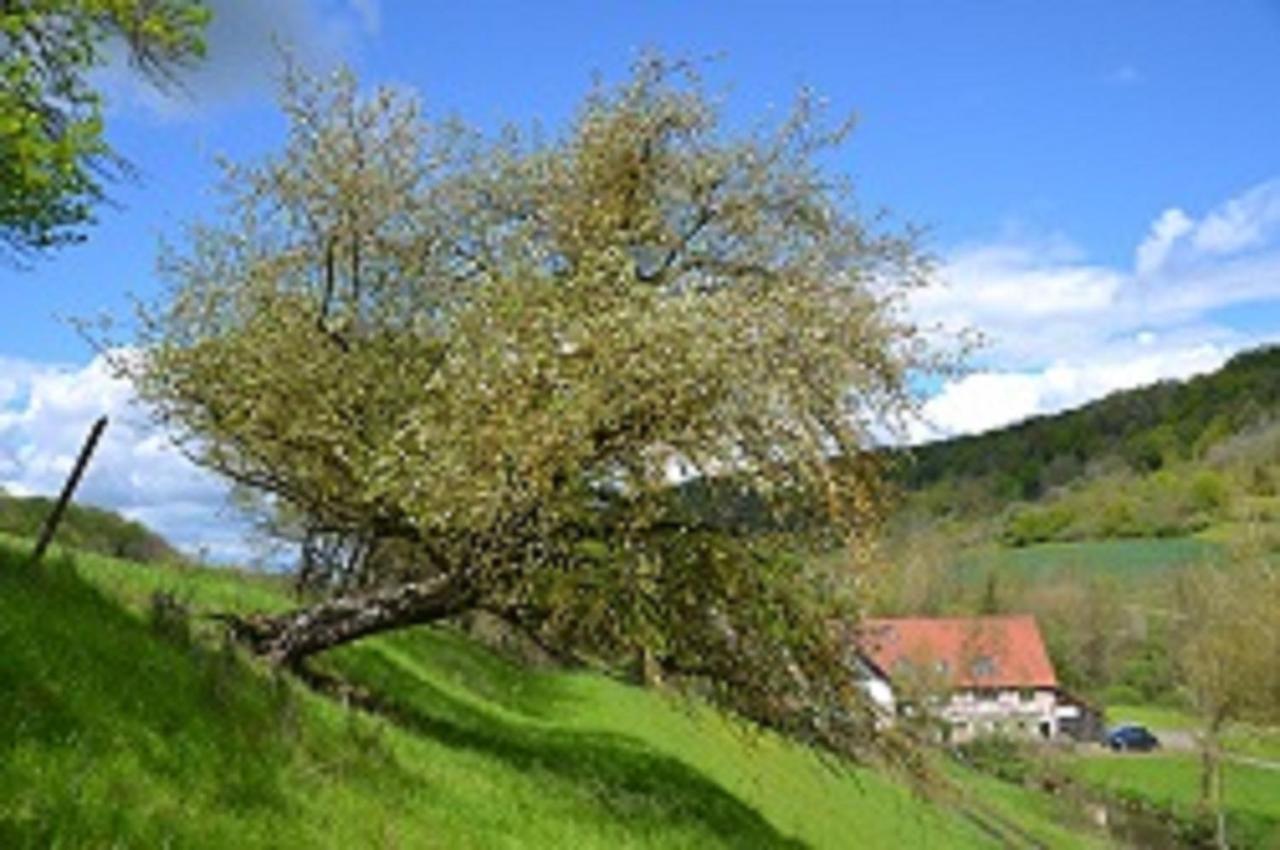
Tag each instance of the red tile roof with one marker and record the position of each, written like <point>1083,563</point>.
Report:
<point>974,652</point>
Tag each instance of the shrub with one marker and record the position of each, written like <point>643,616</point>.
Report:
<point>1029,525</point>
<point>998,755</point>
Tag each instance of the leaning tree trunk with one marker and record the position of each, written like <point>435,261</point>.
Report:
<point>286,639</point>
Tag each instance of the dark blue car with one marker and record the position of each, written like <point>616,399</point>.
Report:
<point>1131,737</point>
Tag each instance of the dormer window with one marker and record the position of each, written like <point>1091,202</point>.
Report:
<point>984,666</point>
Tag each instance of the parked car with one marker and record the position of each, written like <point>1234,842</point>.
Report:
<point>1131,737</point>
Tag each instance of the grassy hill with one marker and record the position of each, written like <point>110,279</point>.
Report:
<point>86,528</point>
<point>124,722</point>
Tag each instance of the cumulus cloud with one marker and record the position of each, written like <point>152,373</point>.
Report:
<point>989,399</point>
<point>1248,221</point>
<point>45,413</point>
<point>1245,223</point>
<point>245,42</point>
<point>1062,330</point>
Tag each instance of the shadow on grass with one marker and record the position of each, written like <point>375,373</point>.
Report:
<point>443,654</point>
<point>98,691</point>
<point>89,689</point>
<point>615,773</point>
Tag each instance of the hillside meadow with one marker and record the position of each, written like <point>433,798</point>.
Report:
<point>125,722</point>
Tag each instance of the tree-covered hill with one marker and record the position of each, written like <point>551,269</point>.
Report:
<point>1167,460</point>
<point>1143,429</point>
<point>87,528</point>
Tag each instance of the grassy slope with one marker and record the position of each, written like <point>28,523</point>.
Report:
<point>118,731</point>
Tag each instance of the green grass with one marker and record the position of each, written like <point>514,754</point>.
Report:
<point>119,728</point>
<point>1152,716</point>
<point>1252,793</point>
<point>1039,819</point>
<point>1123,559</point>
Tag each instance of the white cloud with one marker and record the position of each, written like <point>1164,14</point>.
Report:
<point>1242,223</point>
<point>246,41</point>
<point>45,413</point>
<point>990,399</point>
<point>1062,331</point>
<point>1171,226</point>
<point>1040,302</point>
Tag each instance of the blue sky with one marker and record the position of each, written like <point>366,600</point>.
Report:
<point>1101,182</point>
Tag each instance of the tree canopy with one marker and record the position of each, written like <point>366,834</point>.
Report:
<point>469,373</point>
<point>54,157</point>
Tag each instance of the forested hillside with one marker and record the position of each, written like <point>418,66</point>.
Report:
<point>1165,460</point>
<point>1145,429</point>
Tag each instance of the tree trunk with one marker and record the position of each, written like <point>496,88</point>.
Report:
<point>1219,805</point>
<point>286,639</point>
<point>1211,781</point>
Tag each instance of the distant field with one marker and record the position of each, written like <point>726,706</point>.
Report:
<point>1119,558</point>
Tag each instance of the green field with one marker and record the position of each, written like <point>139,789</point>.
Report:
<point>120,727</point>
<point>1123,559</point>
<point>1152,716</point>
<point>1252,793</point>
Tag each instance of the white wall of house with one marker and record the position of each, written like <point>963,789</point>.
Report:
<point>1018,712</point>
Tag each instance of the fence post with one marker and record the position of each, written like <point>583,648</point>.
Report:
<point>55,516</point>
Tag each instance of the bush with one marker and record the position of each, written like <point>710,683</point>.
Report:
<point>1208,492</point>
<point>999,756</point>
<point>1149,675</point>
<point>1122,694</point>
<point>1028,525</point>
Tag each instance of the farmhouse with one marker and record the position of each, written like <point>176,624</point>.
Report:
<point>983,674</point>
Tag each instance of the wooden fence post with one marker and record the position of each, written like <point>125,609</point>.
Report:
<point>55,516</point>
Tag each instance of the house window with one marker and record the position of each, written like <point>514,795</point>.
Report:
<point>984,666</point>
